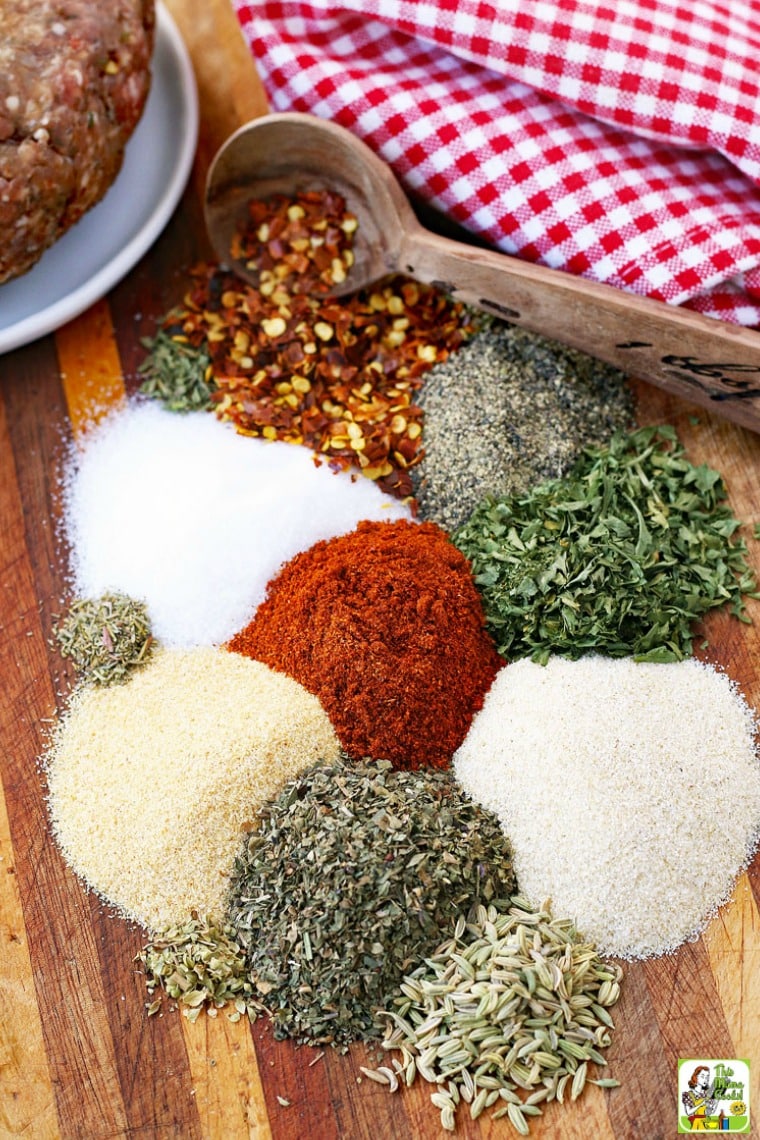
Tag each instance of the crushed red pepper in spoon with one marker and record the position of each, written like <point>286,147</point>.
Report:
<point>337,375</point>
<point>302,244</point>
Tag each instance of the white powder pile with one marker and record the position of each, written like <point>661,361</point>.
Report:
<point>631,792</point>
<point>185,514</point>
<point>150,781</point>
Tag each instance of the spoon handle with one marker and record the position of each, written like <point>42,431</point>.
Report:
<point>706,361</point>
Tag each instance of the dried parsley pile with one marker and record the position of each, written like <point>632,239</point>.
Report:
<point>621,557</point>
<point>349,880</point>
<point>105,637</point>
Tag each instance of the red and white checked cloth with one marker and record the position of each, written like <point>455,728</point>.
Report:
<point>616,139</point>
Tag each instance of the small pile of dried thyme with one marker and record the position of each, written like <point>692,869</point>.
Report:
<point>199,965</point>
<point>176,374</point>
<point>509,1012</point>
<point>351,877</point>
<point>106,637</point>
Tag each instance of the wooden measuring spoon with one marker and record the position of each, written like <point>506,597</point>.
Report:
<point>709,362</point>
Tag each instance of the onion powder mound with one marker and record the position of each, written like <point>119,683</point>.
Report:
<point>185,514</point>
<point>630,792</point>
<point>151,781</point>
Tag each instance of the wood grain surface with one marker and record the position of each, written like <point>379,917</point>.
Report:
<point>78,1055</point>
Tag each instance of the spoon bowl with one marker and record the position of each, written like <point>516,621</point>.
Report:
<point>705,361</point>
<point>287,153</point>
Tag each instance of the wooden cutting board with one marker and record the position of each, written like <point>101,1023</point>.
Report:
<point>78,1055</point>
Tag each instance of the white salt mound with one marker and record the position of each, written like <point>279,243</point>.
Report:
<point>194,519</point>
<point>630,792</point>
<point>150,782</point>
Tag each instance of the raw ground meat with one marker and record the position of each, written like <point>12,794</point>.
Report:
<point>74,78</point>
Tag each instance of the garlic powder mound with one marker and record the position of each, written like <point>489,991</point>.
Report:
<point>150,782</point>
<point>630,792</point>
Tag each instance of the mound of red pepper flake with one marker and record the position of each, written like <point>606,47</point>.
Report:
<point>337,375</point>
<point>385,626</point>
<point>302,244</point>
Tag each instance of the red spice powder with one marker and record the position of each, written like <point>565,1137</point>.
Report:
<point>385,626</point>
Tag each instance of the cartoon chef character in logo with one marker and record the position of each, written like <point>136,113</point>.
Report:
<point>698,1099</point>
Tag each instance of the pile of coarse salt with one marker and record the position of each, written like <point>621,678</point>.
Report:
<point>150,782</point>
<point>185,514</point>
<point>630,792</point>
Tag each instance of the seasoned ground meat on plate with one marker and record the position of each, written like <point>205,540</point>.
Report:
<point>74,77</point>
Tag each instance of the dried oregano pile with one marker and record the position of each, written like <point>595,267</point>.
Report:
<point>105,637</point>
<point>346,884</point>
<point>621,557</point>
<point>508,1013</point>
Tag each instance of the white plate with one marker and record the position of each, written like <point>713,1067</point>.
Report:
<point>105,244</point>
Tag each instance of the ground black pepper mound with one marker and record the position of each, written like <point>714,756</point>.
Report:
<point>351,878</point>
<point>386,627</point>
<point>508,410</point>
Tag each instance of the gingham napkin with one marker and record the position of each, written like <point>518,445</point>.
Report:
<point>616,139</point>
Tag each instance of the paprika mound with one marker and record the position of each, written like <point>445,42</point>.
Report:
<point>385,626</point>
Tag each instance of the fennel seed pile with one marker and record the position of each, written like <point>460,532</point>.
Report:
<point>508,1013</point>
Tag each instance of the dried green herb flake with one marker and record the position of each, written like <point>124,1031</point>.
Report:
<point>622,557</point>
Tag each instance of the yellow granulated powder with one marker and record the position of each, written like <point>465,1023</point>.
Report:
<point>150,782</point>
